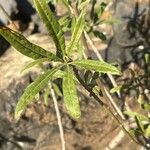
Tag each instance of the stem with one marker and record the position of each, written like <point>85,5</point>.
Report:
<point>100,58</point>
<point>116,140</point>
<point>105,106</point>
<point>105,92</point>
<point>58,118</point>
<point>109,97</point>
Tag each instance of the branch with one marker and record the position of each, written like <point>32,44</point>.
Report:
<point>109,97</point>
<point>100,58</point>
<point>58,117</point>
<point>105,106</point>
<point>116,140</point>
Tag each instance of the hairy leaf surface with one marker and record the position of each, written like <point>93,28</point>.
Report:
<point>32,90</point>
<point>52,25</point>
<point>99,66</point>
<point>70,95</point>
<point>21,44</point>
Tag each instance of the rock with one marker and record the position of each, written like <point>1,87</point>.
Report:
<point>130,33</point>
<point>10,7</point>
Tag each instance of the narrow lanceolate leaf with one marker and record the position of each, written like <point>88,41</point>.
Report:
<point>52,25</point>
<point>135,114</point>
<point>36,62</point>
<point>77,31</point>
<point>116,89</point>
<point>148,131</point>
<point>83,4</point>
<point>32,90</point>
<point>70,96</point>
<point>21,44</point>
<point>95,65</point>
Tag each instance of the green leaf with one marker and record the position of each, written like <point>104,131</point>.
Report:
<point>116,89</point>
<point>100,35</point>
<point>83,4</point>
<point>99,66</point>
<point>52,25</point>
<point>32,90</point>
<point>139,124</point>
<point>70,95</point>
<point>147,58</point>
<point>148,131</point>
<point>133,132</point>
<point>58,74</point>
<point>88,76</point>
<point>101,8</point>
<point>37,96</point>
<point>36,62</point>
<point>98,13</point>
<point>61,74</point>
<point>46,94</point>
<point>141,99</point>
<point>80,50</point>
<point>147,107</point>
<point>133,114</point>
<point>76,34</point>
<point>57,90</point>
<point>21,44</point>
<point>65,23</point>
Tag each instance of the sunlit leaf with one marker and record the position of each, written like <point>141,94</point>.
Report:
<point>116,89</point>
<point>99,66</point>
<point>101,8</point>
<point>139,124</point>
<point>46,94</point>
<point>147,107</point>
<point>141,99</point>
<point>36,62</point>
<point>66,3</point>
<point>56,89</point>
<point>133,132</point>
<point>77,31</point>
<point>98,13</point>
<point>83,4</point>
<point>133,114</point>
<point>32,90</point>
<point>58,74</point>
<point>21,44</point>
<point>147,58</point>
<point>52,25</point>
<point>70,96</point>
<point>148,131</point>
<point>65,23</point>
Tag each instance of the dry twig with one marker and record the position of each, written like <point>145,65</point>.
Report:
<point>58,117</point>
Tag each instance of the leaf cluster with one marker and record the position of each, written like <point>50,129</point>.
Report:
<point>63,54</point>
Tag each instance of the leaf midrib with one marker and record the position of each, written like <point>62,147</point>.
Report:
<point>54,33</point>
<point>32,50</point>
<point>91,65</point>
<point>38,85</point>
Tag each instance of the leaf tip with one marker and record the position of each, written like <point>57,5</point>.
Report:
<point>17,115</point>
